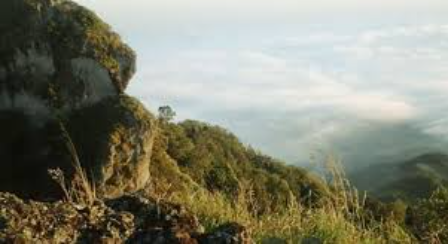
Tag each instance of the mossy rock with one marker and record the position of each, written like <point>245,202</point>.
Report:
<point>60,53</point>
<point>114,140</point>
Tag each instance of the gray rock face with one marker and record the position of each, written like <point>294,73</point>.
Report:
<point>63,70</point>
<point>56,49</point>
<point>92,78</point>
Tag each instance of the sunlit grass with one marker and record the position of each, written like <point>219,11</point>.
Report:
<point>339,220</point>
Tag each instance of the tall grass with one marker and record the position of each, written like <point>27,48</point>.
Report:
<point>339,220</point>
<point>79,190</point>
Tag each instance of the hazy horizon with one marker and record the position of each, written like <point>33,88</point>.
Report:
<point>365,79</point>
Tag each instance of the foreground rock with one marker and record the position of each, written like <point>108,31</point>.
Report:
<point>129,219</point>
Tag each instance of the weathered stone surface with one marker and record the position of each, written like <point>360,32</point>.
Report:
<point>114,141</point>
<point>56,49</point>
<point>128,219</point>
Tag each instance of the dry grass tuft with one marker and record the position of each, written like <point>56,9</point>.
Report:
<point>80,190</point>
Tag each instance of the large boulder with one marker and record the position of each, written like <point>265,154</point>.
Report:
<point>57,51</point>
<point>112,140</point>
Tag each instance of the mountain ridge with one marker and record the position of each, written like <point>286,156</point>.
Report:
<point>410,179</point>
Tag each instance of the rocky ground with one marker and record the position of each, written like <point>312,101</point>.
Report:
<point>128,219</point>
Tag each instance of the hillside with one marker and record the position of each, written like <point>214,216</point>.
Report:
<point>213,158</point>
<point>410,180</point>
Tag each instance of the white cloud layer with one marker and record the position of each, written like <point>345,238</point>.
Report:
<point>282,88</point>
<point>250,80</point>
<point>257,6</point>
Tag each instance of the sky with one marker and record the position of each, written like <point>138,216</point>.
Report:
<point>366,80</point>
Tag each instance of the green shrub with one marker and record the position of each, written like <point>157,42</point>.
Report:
<point>428,219</point>
<point>222,178</point>
<point>218,161</point>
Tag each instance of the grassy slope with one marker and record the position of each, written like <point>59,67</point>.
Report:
<point>209,171</point>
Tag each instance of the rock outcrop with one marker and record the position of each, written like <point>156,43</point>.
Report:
<point>63,73</point>
<point>56,49</point>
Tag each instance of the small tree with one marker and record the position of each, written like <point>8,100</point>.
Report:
<point>166,113</point>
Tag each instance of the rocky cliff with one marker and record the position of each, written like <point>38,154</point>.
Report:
<point>63,74</point>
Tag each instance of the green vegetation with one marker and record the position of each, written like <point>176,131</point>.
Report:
<point>166,113</point>
<point>217,161</point>
<point>328,224</point>
<point>208,170</point>
<point>341,218</point>
<point>428,219</point>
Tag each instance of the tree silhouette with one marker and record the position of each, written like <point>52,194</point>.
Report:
<point>166,113</point>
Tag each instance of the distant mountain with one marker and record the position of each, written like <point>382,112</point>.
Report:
<point>409,180</point>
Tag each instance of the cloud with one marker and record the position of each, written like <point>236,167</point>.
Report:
<point>384,89</point>
<point>438,128</point>
<point>254,80</point>
<point>167,19</point>
<point>410,43</point>
<point>257,6</point>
